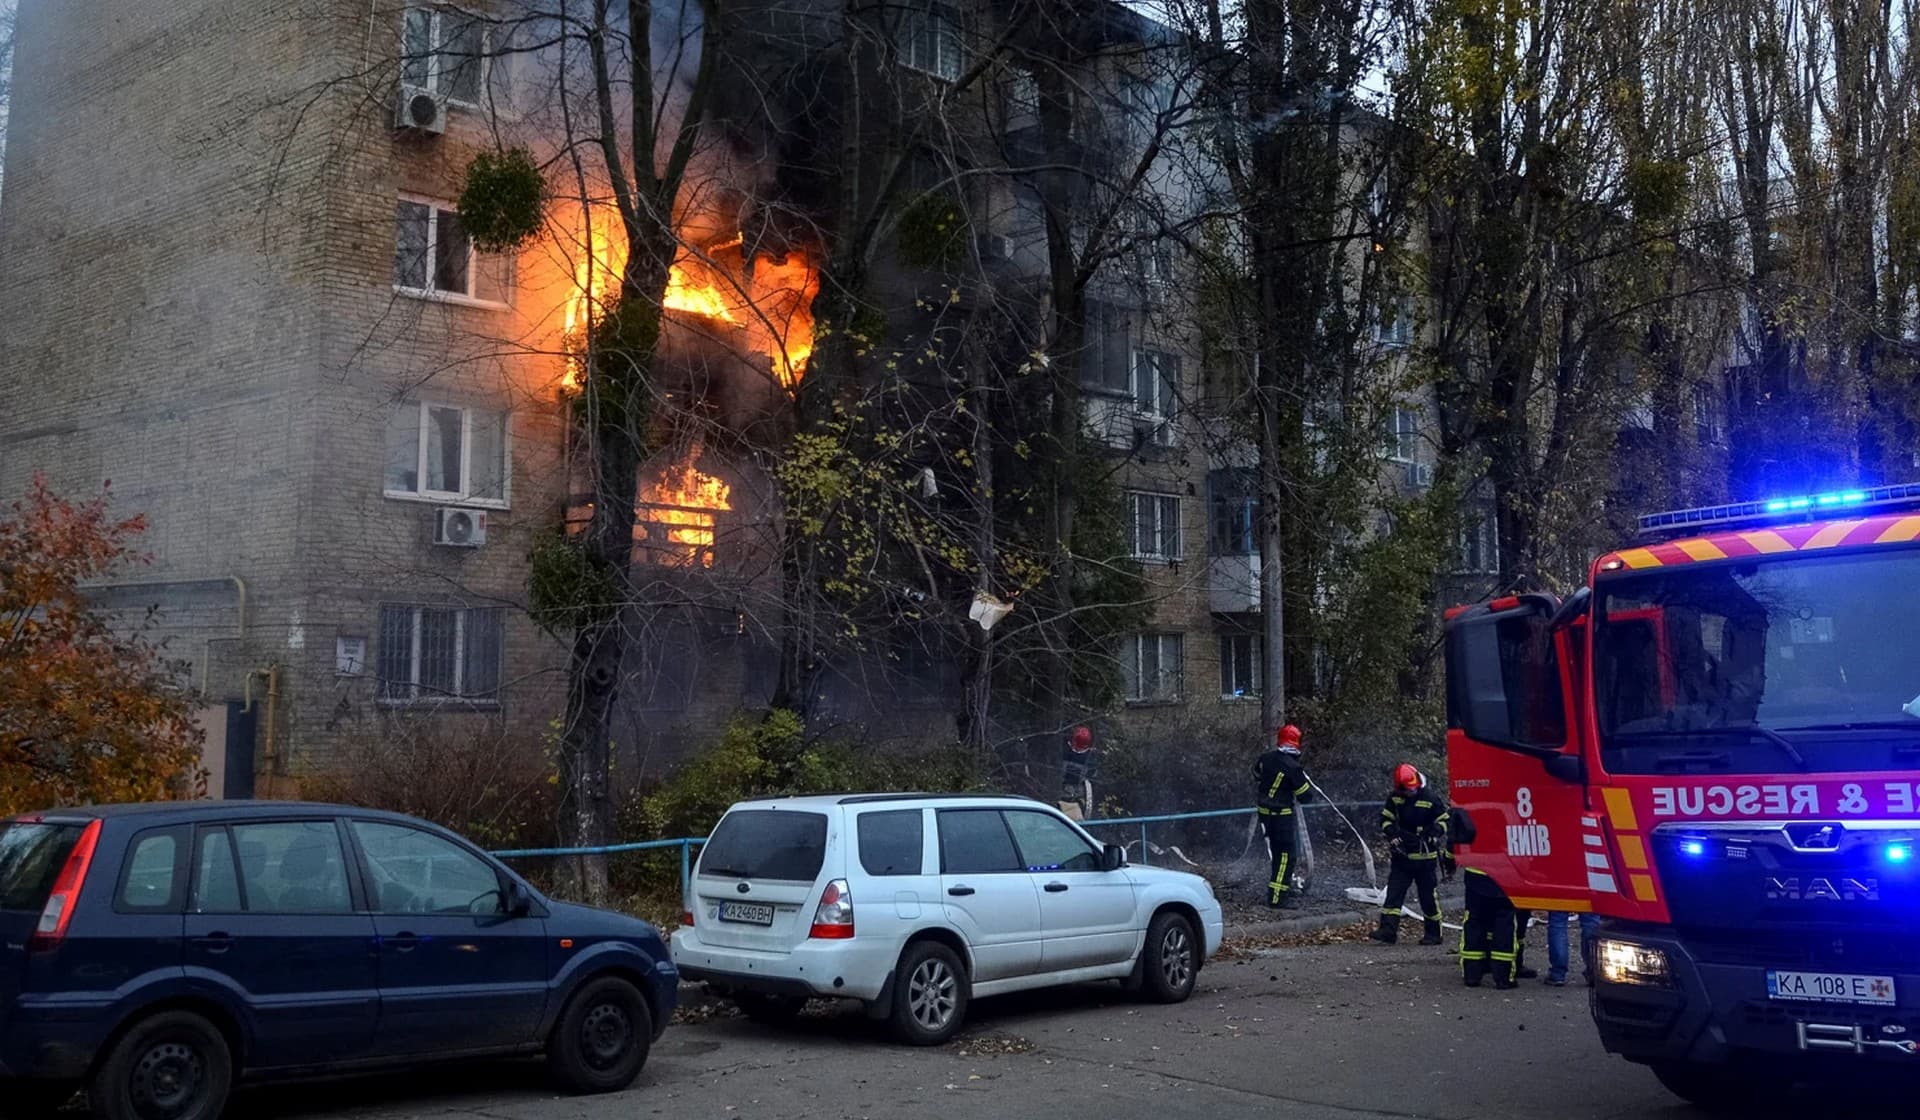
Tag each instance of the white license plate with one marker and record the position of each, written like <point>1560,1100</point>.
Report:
<point>754,912</point>
<point>1830,987</point>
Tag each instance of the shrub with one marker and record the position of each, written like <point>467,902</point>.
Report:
<point>490,788</point>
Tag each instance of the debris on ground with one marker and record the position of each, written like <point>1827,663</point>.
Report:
<point>1241,948</point>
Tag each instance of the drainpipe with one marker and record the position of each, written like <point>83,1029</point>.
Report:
<point>270,754</point>
<point>206,646</point>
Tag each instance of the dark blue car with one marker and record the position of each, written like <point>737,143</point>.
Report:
<point>152,955</point>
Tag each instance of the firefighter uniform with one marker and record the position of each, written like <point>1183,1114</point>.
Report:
<point>1490,938</point>
<point>1414,821</point>
<point>1280,784</point>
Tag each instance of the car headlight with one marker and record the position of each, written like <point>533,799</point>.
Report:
<point>1623,962</point>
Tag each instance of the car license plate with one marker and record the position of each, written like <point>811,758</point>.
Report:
<point>754,912</point>
<point>1830,987</point>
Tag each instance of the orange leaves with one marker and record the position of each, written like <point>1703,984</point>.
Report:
<point>88,713</point>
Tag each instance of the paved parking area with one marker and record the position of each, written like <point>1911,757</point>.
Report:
<point>1331,1031</point>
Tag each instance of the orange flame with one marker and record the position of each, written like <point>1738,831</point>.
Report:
<point>676,522</point>
<point>768,302</point>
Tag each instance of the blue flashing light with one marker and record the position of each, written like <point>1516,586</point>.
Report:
<point>1695,848</point>
<point>1882,498</point>
<point>1778,505</point>
<point>1901,852</point>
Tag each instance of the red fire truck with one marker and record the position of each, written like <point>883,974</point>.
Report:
<point>1715,746</point>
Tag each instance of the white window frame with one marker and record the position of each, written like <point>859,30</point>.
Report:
<point>1158,502</point>
<point>1135,644</point>
<point>436,57</point>
<point>1159,409</point>
<point>1256,664</point>
<point>1403,435</point>
<point>435,207</point>
<point>915,16</point>
<point>462,496</point>
<point>413,697</point>
<point>1394,328</point>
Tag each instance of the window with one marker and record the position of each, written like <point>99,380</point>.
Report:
<point>1154,666</point>
<point>415,872</point>
<point>975,842</point>
<point>31,856</point>
<point>152,882</point>
<point>1480,542</point>
<point>892,843</point>
<point>1401,439</point>
<point>1233,513</point>
<point>1239,665</point>
<point>445,52</point>
<point>767,844</point>
<point>1706,418</point>
<point>292,867</point>
<point>447,453</point>
<point>1023,93</point>
<point>1048,843</point>
<point>1394,328</point>
<point>929,39</point>
<point>217,880</point>
<point>433,257</point>
<point>433,653</point>
<point>1156,377</point>
<point>1106,360</point>
<point>1156,526</point>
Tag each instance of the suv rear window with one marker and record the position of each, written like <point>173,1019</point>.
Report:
<point>31,856</point>
<point>767,844</point>
<point>892,843</point>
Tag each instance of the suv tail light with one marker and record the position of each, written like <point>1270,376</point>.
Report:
<point>686,918</point>
<point>834,917</point>
<point>65,897</point>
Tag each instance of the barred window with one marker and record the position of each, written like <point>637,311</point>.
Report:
<point>439,653</point>
<point>1156,526</point>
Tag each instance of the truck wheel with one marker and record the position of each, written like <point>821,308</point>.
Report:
<point>929,994</point>
<point>1721,1090</point>
<point>173,1066</point>
<point>602,1038</point>
<point>1170,961</point>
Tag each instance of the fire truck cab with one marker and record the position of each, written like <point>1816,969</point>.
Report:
<point>1715,746</point>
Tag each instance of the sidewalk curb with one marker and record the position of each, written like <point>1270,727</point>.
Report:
<point>1311,923</point>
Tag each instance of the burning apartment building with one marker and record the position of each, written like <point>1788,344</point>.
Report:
<point>257,312</point>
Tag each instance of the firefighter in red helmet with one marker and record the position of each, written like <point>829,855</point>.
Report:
<point>1279,784</point>
<point>1414,821</point>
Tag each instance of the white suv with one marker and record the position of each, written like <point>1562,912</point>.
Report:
<point>913,904</point>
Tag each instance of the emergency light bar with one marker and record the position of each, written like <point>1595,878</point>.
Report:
<point>1782,509</point>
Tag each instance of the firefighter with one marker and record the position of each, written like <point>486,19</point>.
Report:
<point>1414,820</point>
<point>1490,936</point>
<point>1280,783</point>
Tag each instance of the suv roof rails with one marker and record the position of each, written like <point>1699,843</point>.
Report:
<point>871,798</point>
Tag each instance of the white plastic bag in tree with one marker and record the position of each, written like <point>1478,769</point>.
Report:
<point>988,610</point>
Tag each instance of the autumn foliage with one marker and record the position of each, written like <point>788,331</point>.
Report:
<point>89,712</point>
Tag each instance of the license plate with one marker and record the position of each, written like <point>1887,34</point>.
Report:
<point>1830,987</point>
<point>758,914</point>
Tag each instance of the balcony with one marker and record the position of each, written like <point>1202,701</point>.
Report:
<point>1233,584</point>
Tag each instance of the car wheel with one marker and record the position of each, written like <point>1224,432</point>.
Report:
<point>1722,1090</point>
<point>602,1038</point>
<point>770,1010</point>
<point>173,1066</point>
<point>929,994</point>
<point>34,1100</point>
<point>1170,962</point>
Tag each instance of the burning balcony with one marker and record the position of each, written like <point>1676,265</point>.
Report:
<point>677,519</point>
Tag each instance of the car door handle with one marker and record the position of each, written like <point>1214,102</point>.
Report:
<point>215,942</point>
<point>1054,888</point>
<point>404,942</point>
<point>959,892</point>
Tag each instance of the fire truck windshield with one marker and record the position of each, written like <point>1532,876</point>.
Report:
<point>1800,662</point>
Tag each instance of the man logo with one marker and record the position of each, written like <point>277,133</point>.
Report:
<point>1821,889</point>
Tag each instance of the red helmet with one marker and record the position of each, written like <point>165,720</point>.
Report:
<point>1289,736</point>
<point>1406,777</point>
<point>1082,738</point>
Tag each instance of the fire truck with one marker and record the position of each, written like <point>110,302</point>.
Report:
<point>1715,747</point>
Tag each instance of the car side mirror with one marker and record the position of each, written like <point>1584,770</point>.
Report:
<point>1112,857</point>
<point>518,902</point>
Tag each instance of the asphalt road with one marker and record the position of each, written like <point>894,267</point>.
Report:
<point>1318,1033</point>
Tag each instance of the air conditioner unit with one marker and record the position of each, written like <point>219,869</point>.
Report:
<point>459,528</point>
<point>417,110</point>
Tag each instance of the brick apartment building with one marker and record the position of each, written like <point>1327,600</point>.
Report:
<point>251,308</point>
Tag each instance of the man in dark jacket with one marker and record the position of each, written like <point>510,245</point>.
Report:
<point>1279,784</point>
<point>1414,820</point>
